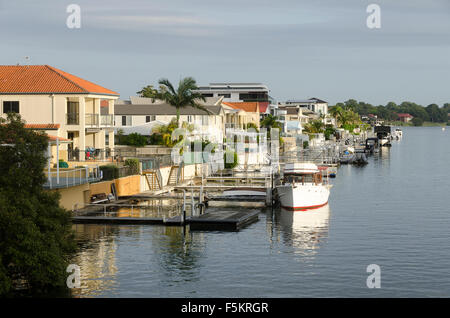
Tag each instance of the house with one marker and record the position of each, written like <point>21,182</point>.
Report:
<point>313,104</point>
<point>240,114</point>
<point>294,118</point>
<point>405,117</point>
<point>241,92</point>
<point>138,111</point>
<point>63,105</point>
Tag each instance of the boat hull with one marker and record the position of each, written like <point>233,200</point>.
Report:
<point>303,197</point>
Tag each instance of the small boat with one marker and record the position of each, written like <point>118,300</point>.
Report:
<point>346,157</point>
<point>303,187</point>
<point>243,192</point>
<point>443,128</point>
<point>398,133</point>
<point>360,159</point>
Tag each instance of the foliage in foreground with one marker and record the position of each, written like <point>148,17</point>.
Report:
<point>36,240</point>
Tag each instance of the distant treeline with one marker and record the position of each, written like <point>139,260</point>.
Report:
<point>430,113</point>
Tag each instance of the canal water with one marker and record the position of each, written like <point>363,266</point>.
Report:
<point>394,213</point>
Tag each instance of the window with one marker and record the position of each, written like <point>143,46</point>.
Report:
<point>190,118</point>
<point>208,95</point>
<point>126,120</point>
<point>10,107</point>
<point>205,120</point>
<point>225,95</point>
<point>150,118</point>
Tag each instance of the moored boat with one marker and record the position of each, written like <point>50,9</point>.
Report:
<point>303,187</point>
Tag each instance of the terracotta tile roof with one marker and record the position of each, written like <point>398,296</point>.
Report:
<point>43,126</point>
<point>40,79</point>
<point>404,115</point>
<point>250,107</point>
<point>53,138</point>
<point>263,106</point>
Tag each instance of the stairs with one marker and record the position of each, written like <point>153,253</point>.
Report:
<point>176,175</point>
<point>154,179</point>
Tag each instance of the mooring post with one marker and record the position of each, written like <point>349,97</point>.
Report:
<point>183,216</point>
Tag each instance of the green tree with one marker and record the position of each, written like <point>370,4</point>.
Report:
<point>149,91</point>
<point>185,95</point>
<point>416,121</point>
<point>36,240</point>
<point>315,127</point>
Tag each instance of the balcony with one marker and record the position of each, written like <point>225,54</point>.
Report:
<point>66,178</point>
<point>98,121</point>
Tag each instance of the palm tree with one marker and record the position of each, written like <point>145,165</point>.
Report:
<point>185,95</point>
<point>336,112</point>
<point>270,121</point>
<point>315,127</point>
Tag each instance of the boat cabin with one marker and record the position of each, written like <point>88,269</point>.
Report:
<point>302,173</point>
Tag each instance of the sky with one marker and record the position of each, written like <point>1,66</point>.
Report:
<point>299,48</point>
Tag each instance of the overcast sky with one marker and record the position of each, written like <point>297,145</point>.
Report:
<point>300,49</point>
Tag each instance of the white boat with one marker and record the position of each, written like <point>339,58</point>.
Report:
<point>243,192</point>
<point>303,187</point>
<point>384,141</point>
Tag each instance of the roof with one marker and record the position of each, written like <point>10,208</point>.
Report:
<point>161,109</point>
<point>404,115</point>
<point>305,101</point>
<point>144,129</point>
<point>42,126</point>
<point>263,106</point>
<point>53,139</point>
<point>250,107</point>
<point>45,79</point>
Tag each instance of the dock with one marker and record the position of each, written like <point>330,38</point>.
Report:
<point>222,220</point>
<point>211,221</point>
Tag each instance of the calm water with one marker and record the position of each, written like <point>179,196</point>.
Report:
<point>394,212</point>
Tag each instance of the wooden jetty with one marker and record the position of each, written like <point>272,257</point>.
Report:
<point>222,220</point>
<point>211,221</point>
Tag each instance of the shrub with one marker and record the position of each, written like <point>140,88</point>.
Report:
<point>226,158</point>
<point>110,172</point>
<point>134,139</point>
<point>133,164</point>
<point>305,144</point>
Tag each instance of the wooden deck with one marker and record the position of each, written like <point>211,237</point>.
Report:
<point>210,221</point>
<point>222,220</point>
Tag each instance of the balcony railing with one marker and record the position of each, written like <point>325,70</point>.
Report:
<point>65,178</point>
<point>72,119</point>
<point>96,120</point>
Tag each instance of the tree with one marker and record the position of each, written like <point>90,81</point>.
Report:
<point>36,240</point>
<point>149,91</point>
<point>336,112</point>
<point>315,127</point>
<point>270,121</point>
<point>185,95</point>
<point>417,121</point>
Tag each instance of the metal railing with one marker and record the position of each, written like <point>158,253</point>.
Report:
<point>73,119</point>
<point>65,178</point>
<point>97,120</point>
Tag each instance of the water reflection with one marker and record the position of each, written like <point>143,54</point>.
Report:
<point>96,259</point>
<point>178,253</point>
<point>305,230</point>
